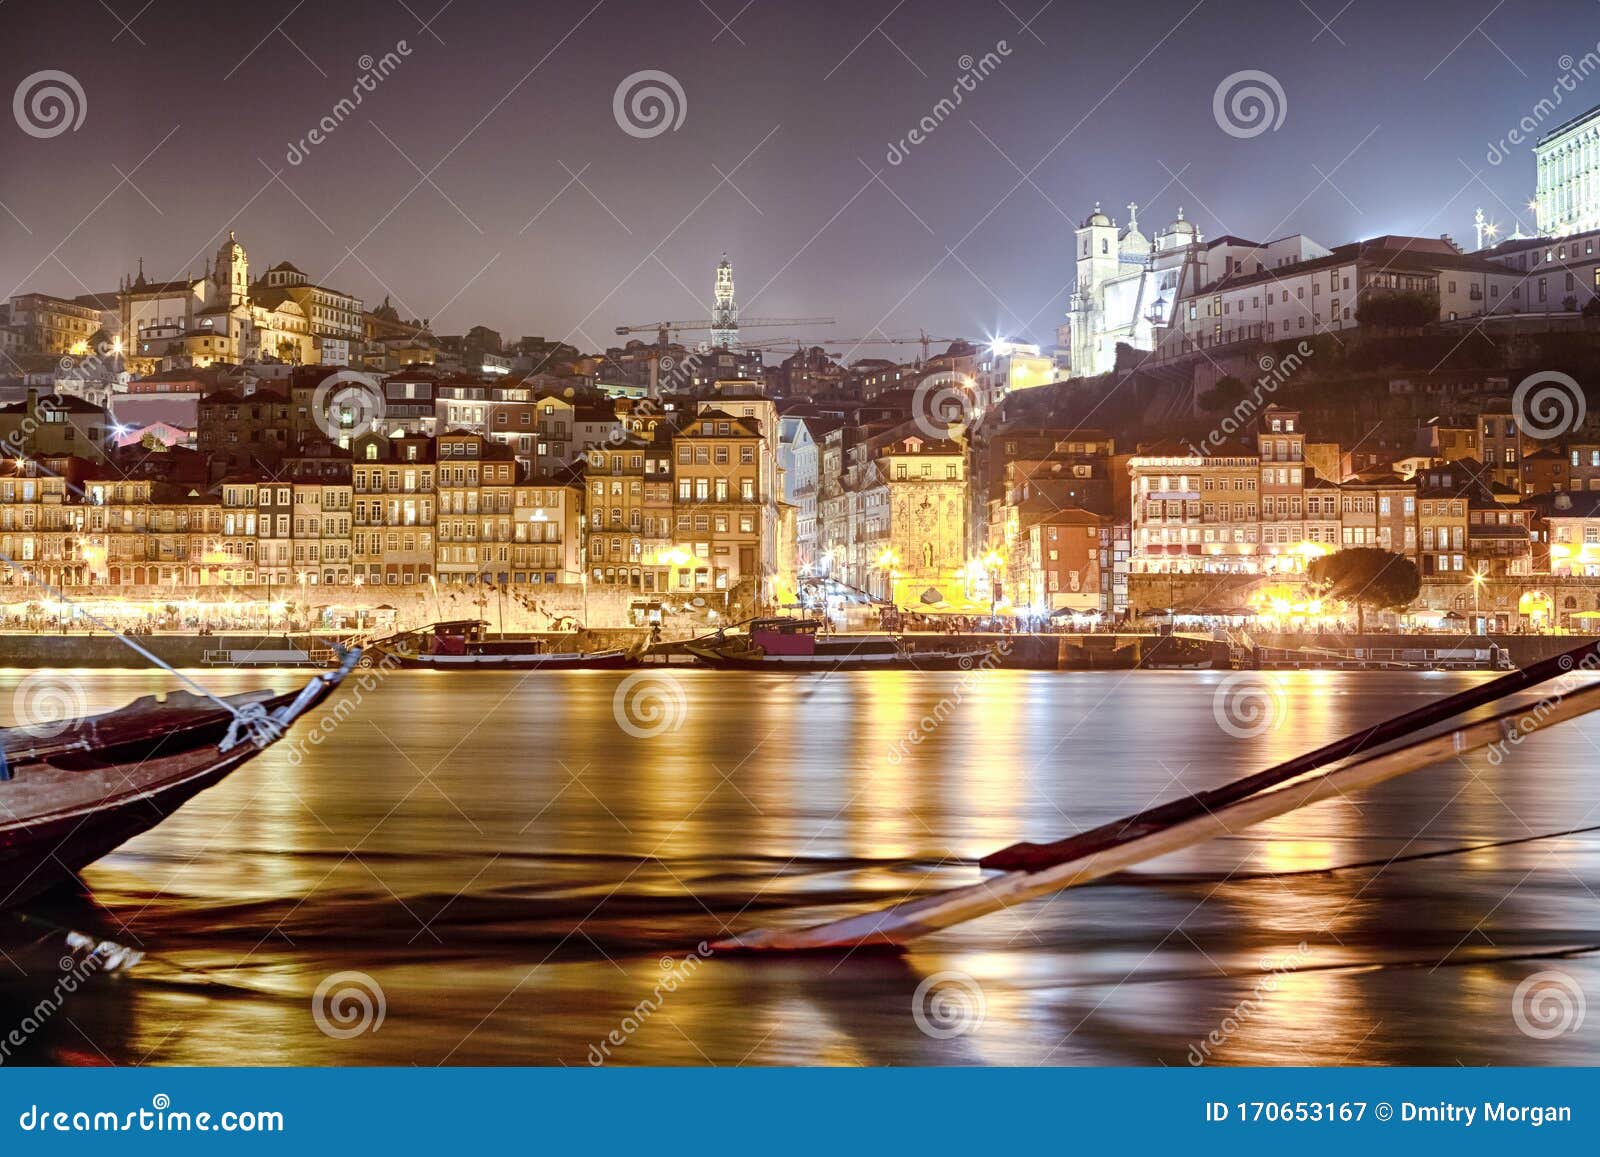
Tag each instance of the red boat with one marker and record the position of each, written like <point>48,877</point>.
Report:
<point>464,645</point>
<point>69,798</point>
<point>796,645</point>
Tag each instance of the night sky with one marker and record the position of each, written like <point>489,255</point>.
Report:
<point>797,104</point>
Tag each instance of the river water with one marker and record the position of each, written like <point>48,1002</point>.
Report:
<point>517,869</point>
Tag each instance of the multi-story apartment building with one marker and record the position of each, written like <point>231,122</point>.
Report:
<point>547,543</point>
<point>1280,447</point>
<point>1068,563</point>
<point>1443,492</point>
<point>630,506</point>
<point>1573,525</point>
<point>53,325</point>
<point>720,506</point>
<point>55,425</point>
<point>476,482</point>
<point>323,505</point>
<point>393,516</point>
<point>332,316</point>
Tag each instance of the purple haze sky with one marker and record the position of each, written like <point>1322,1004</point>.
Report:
<point>542,216</point>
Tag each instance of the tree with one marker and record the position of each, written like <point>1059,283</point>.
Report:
<point>1591,308</point>
<point>1402,309</point>
<point>1367,577</point>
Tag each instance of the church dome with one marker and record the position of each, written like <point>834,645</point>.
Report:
<point>1097,218</point>
<point>1181,226</point>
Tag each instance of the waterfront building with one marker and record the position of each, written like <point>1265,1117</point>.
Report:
<point>476,484</point>
<point>1572,523</point>
<point>724,510</point>
<point>547,539</point>
<point>393,488</point>
<point>1068,564</point>
<point>629,497</point>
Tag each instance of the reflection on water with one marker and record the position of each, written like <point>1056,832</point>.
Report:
<point>521,877</point>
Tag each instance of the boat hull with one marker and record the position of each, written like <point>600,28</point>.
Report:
<point>813,664</point>
<point>68,798</point>
<point>602,661</point>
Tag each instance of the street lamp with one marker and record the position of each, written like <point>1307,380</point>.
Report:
<point>1478,578</point>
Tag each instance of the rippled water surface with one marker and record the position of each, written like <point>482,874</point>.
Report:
<point>518,873</point>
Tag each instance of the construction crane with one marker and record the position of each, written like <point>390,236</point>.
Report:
<point>665,328</point>
<point>923,340</point>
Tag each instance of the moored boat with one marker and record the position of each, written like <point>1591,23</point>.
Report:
<point>91,784</point>
<point>463,645</point>
<point>798,645</point>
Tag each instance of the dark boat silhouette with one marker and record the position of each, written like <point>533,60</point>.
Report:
<point>68,798</point>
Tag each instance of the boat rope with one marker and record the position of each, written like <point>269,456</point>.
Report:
<point>249,719</point>
<point>1141,879</point>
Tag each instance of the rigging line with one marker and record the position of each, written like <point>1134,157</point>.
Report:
<point>194,686</point>
<point>1127,878</point>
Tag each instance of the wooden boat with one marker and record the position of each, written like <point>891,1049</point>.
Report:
<point>796,645</point>
<point>69,798</point>
<point>1352,763</point>
<point>464,645</point>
